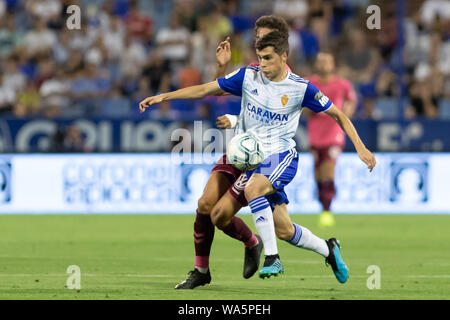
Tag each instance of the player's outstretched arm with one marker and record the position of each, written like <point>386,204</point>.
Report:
<point>364,154</point>
<point>194,92</point>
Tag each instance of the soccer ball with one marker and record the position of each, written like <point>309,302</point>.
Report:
<point>245,151</point>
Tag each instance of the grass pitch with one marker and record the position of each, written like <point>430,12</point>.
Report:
<point>144,256</point>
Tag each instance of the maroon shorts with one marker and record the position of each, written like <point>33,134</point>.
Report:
<point>237,177</point>
<point>322,154</point>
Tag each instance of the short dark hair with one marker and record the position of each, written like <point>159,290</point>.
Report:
<point>272,22</point>
<point>275,39</point>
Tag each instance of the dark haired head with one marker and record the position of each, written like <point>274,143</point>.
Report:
<point>272,22</point>
<point>275,39</point>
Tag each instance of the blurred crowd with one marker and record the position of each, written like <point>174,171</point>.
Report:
<point>126,50</point>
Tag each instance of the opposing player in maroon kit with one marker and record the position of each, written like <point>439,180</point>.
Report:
<point>326,138</point>
<point>224,184</point>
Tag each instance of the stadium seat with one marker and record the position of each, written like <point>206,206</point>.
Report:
<point>386,108</point>
<point>115,108</point>
<point>444,109</point>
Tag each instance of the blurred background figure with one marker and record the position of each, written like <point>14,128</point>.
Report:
<point>68,139</point>
<point>326,138</point>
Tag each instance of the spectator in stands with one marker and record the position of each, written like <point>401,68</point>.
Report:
<point>39,41</point>
<point>7,96</point>
<point>139,26</point>
<point>75,63</point>
<point>432,9</point>
<point>295,11</point>
<point>89,88</point>
<point>387,84</point>
<point>105,15</point>
<point>68,139</point>
<point>417,41</point>
<point>9,36</point>
<point>133,59</point>
<point>55,95</point>
<point>82,39</point>
<point>61,47</point>
<point>44,10</point>
<point>422,102</point>
<point>114,39</point>
<point>186,12</point>
<point>203,56</point>
<point>45,72</point>
<point>28,102</point>
<point>442,37</point>
<point>188,76</point>
<point>218,25</point>
<point>157,71</point>
<point>320,14</point>
<point>359,61</point>
<point>173,42</point>
<point>13,78</point>
<point>2,8</point>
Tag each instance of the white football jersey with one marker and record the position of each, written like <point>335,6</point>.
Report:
<point>271,110</point>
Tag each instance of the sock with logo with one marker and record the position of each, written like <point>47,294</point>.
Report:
<point>263,218</point>
<point>304,238</point>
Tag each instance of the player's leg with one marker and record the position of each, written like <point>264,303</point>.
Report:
<point>223,216</point>
<point>325,163</point>
<point>218,183</point>
<point>295,234</point>
<point>255,191</point>
<point>302,237</point>
<point>271,176</point>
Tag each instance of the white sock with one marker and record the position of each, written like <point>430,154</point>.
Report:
<point>304,238</point>
<point>201,270</point>
<point>263,218</point>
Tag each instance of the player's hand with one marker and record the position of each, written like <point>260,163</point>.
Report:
<point>368,158</point>
<point>223,52</point>
<point>147,102</point>
<point>223,122</point>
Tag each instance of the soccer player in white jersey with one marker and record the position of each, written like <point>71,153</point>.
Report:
<point>272,100</point>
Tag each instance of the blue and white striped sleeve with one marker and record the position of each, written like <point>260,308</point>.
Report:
<point>315,100</point>
<point>232,83</point>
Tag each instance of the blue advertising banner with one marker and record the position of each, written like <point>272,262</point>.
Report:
<point>131,135</point>
<point>404,183</point>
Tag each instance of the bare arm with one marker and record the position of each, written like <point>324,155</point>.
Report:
<point>344,122</point>
<point>349,108</point>
<point>223,57</point>
<point>194,92</point>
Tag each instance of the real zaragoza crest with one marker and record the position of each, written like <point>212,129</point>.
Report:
<point>284,99</point>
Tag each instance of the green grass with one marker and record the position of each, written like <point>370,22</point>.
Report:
<point>144,256</point>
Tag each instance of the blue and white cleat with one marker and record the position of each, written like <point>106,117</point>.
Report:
<point>274,269</point>
<point>334,259</point>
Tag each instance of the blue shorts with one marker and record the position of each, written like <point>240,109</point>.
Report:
<point>280,169</point>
